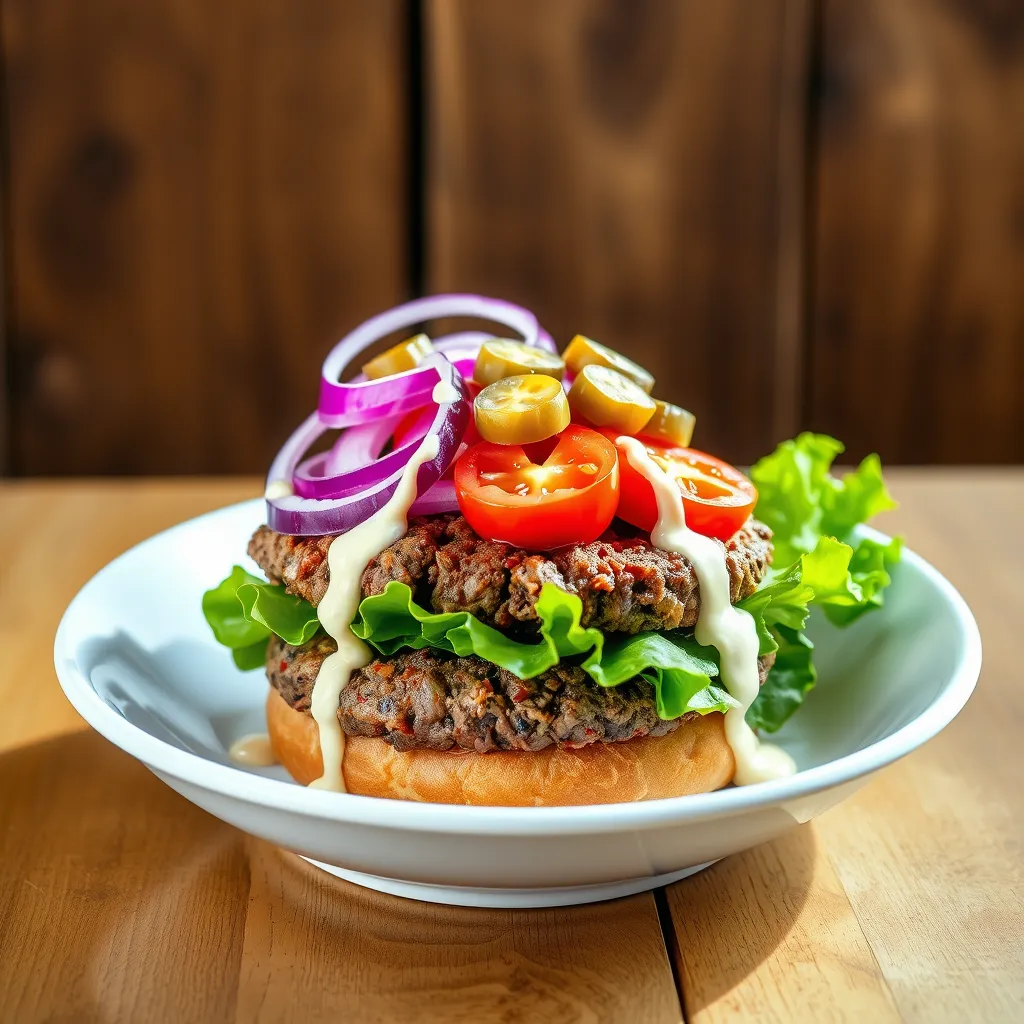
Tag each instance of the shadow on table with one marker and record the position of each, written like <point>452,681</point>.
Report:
<point>729,919</point>
<point>119,900</point>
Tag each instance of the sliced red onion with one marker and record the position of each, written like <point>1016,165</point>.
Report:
<point>343,405</point>
<point>359,445</point>
<point>301,516</point>
<point>462,349</point>
<point>438,498</point>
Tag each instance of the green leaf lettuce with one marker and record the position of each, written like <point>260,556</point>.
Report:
<point>679,669</point>
<point>243,611</point>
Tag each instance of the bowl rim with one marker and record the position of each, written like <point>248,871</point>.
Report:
<point>289,797</point>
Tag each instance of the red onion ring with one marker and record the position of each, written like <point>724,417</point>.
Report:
<point>358,445</point>
<point>438,498</point>
<point>303,517</point>
<point>343,405</point>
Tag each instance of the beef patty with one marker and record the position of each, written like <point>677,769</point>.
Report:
<point>625,583</point>
<point>432,699</point>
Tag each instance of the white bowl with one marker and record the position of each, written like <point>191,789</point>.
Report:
<point>136,658</point>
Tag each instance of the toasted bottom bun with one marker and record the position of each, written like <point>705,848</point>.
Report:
<point>694,759</point>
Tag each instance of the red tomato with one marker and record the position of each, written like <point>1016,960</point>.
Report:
<point>717,498</point>
<point>568,498</point>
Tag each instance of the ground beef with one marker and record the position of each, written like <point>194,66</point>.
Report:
<point>431,699</point>
<point>626,584</point>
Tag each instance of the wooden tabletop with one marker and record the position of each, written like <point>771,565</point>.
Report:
<point>119,900</point>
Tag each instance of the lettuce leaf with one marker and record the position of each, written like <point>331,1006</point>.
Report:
<point>226,616</point>
<point>788,682</point>
<point>683,674</point>
<point>801,500</point>
<point>267,604</point>
<point>813,516</point>
<point>679,669</point>
<point>243,611</point>
<point>392,620</point>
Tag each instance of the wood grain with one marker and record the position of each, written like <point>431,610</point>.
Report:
<point>64,536</point>
<point>911,906</point>
<point>931,854</point>
<point>770,935</point>
<point>203,197</point>
<point>918,315</point>
<point>369,957</point>
<point>121,901</point>
<point>125,911</point>
<point>620,169</point>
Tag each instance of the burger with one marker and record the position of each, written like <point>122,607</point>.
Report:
<point>511,581</point>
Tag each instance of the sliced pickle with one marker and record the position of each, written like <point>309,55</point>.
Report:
<point>521,409</point>
<point>584,352</point>
<point>406,355</point>
<point>501,357</point>
<point>671,423</point>
<point>605,398</point>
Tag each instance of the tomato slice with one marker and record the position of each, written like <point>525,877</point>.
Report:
<point>569,498</point>
<point>717,497</point>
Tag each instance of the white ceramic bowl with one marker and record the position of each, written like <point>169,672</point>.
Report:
<point>136,658</point>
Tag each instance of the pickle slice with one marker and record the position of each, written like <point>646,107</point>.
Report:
<point>584,352</point>
<point>607,399</point>
<point>671,423</point>
<point>521,409</point>
<point>501,357</point>
<point>406,355</point>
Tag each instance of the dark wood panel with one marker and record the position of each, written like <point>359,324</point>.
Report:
<point>203,197</point>
<point>632,171</point>
<point>5,454</point>
<point>919,260</point>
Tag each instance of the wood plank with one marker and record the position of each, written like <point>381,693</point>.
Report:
<point>930,854</point>
<point>118,899</point>
<point>73,533</point>
<point>905,901</point>
<point>918,318</point>
<point>5,305</point>
<point>203,198</point>
<point>121,901</point>
<point>367,956</point>
<point>630,172</point>
<point>769,934</point>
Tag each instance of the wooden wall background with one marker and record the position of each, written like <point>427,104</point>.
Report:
<point>797,213</point>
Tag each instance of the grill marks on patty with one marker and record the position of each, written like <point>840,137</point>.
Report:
<point>625,583</point>
<point>436,700</point>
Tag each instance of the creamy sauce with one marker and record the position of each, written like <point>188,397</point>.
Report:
<point>253,751</point>
<point>346,558</point>
<point>731,632</point>
<point>445,392</point>
<point>278,489</point>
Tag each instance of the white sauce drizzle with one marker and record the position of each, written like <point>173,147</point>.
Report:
<point>253,750</point>
<point>277,489</point>
<point>719,625</point>
<point>445,392</point>
<point>346,558</point>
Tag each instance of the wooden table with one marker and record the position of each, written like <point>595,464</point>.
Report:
<point>121,901</point>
